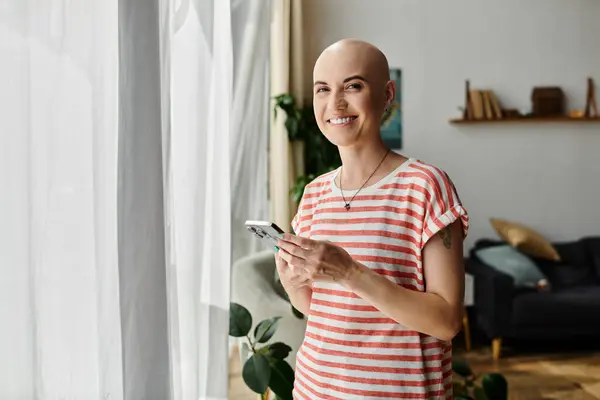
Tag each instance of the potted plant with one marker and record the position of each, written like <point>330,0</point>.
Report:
<point>466,387</point>
<point>264,368</point>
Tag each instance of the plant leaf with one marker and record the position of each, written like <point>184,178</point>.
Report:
<point>287,99</point>
<point>480,394</point>
<point>265,329</point>
<point>461,368</point>
<point>292,126</point>
<point>257,373</point>
<point>240,320</point>
<point>282,379</point>
<point>495,386</point>
<point>278,350</point>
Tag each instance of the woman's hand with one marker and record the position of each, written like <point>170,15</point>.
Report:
<point>292,278</point>
<point>320,260</point>
<point>296,284</point>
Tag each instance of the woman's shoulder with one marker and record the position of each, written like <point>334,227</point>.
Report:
<point>321,181</point>
<point>424,169</point>
<point>426,175</point>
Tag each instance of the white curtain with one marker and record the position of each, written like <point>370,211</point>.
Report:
<point>115,196</point>
<point>60,334</point>
<point>250,121</point>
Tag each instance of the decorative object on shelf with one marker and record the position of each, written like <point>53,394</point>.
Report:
<point>480,104</point>
<point>577,113</point>
<point>468,109</point>
<point>547,101</point>
<point>512,113</point>
<point>591,107</point>
<point>548,105</point>
<point>391,122</point>
<point>264,368</point>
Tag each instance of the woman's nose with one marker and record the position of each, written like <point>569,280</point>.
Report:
<point>337,102</point>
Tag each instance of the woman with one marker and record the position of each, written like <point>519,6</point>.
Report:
<point>376,262</point>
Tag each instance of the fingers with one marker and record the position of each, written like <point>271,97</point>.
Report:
<point>279,264</point>
<point>290,258</point>
<point>293,249</point>
<point>299,241</point>
<point>299,281</point>
<point>284,267</point>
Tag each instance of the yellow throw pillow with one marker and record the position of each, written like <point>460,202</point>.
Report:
<point>525,239</point>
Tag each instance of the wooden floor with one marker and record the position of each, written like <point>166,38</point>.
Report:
<point>566,376</point>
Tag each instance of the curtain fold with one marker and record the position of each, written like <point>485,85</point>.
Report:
<point>286,77</point>
<point>142,269</point>
<point>249,124</point>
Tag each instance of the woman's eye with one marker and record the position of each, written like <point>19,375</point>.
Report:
<point>322,89</point>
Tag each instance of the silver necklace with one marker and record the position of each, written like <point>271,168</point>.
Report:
<point>347,203</point>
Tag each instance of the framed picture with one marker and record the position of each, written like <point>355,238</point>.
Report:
<point>391,123</point>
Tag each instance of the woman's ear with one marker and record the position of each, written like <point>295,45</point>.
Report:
<point>390,93</point>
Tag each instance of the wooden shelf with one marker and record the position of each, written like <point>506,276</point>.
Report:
<point>560,119</point>
<point>484,103</point>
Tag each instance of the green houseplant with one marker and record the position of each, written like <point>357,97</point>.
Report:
<point>266,369</point>
<point>466,384</point>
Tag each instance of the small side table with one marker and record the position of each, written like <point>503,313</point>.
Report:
<point>468,302</point>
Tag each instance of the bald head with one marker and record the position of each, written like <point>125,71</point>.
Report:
<point>360,55</point>
<point>352,88</point>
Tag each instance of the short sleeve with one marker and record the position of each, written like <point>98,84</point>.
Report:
<point>296,220</point>
<point>298,217</point>
<point>442,205</point>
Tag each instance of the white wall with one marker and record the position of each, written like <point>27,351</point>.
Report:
<point>544,175</point>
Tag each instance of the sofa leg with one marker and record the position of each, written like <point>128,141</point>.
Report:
<point>467,331</point>
<point>496,348</point>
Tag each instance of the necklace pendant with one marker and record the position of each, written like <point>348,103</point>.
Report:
<point>347,206</point>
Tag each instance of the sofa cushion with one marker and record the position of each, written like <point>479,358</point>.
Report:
<point>574,253</point>
<point>575,307</point>
<point>574,269</point>
<point>564,276</point>
<point>525,239</point>
<point>510,261</point>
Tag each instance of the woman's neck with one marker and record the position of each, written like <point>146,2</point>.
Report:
<point>360,162</point>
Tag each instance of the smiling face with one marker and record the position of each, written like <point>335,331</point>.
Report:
<point>351,91</point>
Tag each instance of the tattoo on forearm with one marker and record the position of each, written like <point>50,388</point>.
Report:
<point>446,237</point>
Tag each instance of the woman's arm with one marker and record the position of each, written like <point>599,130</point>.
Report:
<point>300,299</point>
<point>437,311</point>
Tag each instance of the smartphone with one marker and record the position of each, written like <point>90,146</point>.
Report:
<point>264,230</point>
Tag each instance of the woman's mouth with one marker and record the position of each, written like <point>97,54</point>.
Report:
<point>342,121</point>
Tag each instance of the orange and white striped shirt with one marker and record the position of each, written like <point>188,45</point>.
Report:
<point>351,350</point>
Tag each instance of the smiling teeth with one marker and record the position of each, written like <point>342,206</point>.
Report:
<point>340,121</point>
